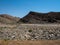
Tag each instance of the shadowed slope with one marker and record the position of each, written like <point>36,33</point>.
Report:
<point>35,17</point>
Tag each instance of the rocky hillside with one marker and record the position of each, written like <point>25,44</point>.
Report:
<point>5,18</point>
<point>35,17</point>
<point>32,18</point>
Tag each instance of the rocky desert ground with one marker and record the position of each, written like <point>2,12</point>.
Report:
<point>33,29</point>
<point>30,34</point>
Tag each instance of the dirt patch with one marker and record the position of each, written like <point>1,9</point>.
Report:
<point>41,42</point>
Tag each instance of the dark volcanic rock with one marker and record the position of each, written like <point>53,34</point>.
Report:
<point>34,17</point>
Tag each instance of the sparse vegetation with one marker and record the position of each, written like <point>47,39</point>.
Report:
<point>6,39</point>
<point>30,30</point>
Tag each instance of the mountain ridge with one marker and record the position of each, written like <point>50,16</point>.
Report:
<point>32,18</point>
<point>35,17</point>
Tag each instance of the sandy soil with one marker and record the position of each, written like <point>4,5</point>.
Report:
<point>41,42</point>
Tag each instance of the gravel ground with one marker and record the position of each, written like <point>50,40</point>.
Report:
<point>30,32</point>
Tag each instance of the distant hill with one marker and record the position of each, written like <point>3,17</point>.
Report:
<point>5,18</point>
<point>35,17</point>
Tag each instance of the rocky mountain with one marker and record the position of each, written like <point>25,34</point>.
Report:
<point>35,17</point>
<point>5,18</point>
<point>32,18</point>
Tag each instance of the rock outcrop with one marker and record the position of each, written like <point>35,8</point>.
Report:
<point>37,18</point>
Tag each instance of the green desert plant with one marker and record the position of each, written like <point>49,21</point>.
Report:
<point>30,30</point>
